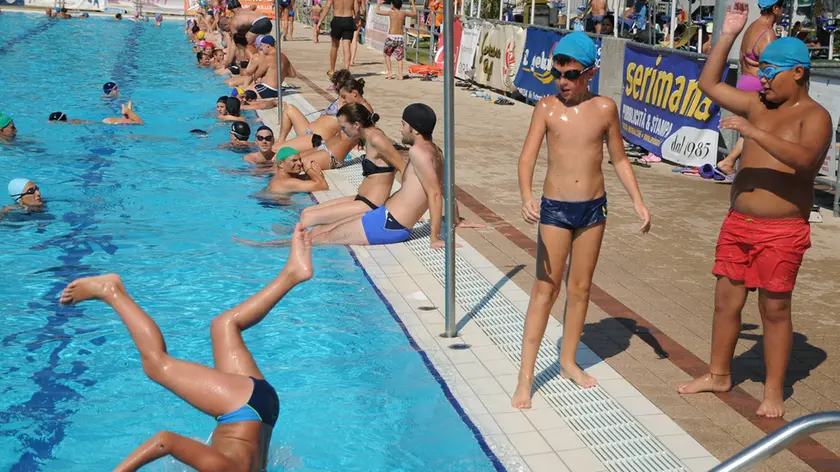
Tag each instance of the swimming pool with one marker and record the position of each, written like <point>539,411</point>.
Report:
<point>152,203</point>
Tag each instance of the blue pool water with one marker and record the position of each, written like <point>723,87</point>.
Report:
<point>152,204</point>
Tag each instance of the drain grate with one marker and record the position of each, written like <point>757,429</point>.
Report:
<point>612,434</point>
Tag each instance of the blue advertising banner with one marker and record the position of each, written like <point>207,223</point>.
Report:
<point>534,79</point>
<point>663,109</point>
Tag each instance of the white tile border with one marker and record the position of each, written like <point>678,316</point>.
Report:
<point>481,378</point>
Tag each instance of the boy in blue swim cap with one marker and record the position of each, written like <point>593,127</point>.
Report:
<point>574,202</point>
<point>766,233</point>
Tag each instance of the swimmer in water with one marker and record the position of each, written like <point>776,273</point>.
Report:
<point>203,59</point>
<point>128,117</point>
<point>25,194</point>
<point>295,175</point>
<point>239,134</point>
<point>111,90</point>
<point>158,19</point>
<point>8,131</point>
<point>264,155</point>
<point>221,105</point>
<point>234,391</point>
<point>60,117</point>
<point>232,110</point>
<point>118,17</point>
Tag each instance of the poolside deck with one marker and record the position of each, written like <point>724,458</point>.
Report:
<point>653,293</point>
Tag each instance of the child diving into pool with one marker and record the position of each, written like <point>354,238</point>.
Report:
<point>573,212</point>
<point>234,392</point>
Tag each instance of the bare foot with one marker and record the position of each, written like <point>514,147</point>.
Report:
<point>522,396</point>
<point>726,166</point>
<point>707,383</point>
<point>88,288</point>
<point>401,77</point>
<point>463,223</point>
<point>299,265</point>
<point>577,375</point>
<point>773,405</point>
<point>388,77</point>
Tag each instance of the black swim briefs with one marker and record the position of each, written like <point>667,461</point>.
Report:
<point>261,26</point>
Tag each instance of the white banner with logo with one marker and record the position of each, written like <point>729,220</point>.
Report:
<point>826,92</point>
<point>498,56</point>
<point>172,7</point>
<point>376,28</point>
<point>85,5</point>
<point>470,33</point>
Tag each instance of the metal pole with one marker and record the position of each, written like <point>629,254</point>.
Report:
<point>673,23</point>
<point>279,51</point>
<point>501,9</point>
<point>720,14</point>
<point>533,5</point>
<point>780,439</point>
<point>449,162</point>
<point>615,18</point>
<point>568,13</point>
<point>831,46</point>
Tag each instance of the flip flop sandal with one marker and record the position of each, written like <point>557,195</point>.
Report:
<point>503,101</point>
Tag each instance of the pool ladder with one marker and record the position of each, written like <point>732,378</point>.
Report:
<point>780,439</point>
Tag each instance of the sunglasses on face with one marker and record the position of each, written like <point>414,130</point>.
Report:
<point>31,191</point>
<point>569,74</point>
<point>264,138</point>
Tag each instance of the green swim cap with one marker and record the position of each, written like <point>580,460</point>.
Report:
<point>285,153</point>
<point>4,120</point>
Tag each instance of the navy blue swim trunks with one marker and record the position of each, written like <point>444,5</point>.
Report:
<point>573,215</point>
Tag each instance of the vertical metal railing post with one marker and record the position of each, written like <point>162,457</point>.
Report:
<point>449,161</point>
<point>279,50</point>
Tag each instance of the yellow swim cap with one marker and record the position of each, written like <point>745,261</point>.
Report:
<point>200,35</point>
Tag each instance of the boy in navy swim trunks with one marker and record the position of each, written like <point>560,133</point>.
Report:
<point>766,233</point>
<point>573,212</point>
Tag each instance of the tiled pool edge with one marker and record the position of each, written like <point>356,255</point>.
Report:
<point>577,456</point>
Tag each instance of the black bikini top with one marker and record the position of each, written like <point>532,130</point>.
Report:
<point>369,168</point>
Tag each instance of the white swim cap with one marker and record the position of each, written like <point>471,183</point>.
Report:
<point>16,187</point>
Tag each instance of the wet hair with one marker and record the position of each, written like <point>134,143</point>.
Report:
<point>63,10</point>
<point>354,85</point>
<point>199,56</point>
<point>118,16</point>
<point>358,113</point>
<point>562,60</point>
<point>264,128</point>
<point>232,105</point>
<point>195,28</point>
<point>250,95</point>
<point>222,99</point>
<point>340,77</point>
<point>769,10</point>
<point>397,4</point>
<point>240,39</point>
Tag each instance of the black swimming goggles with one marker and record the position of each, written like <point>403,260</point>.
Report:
<point>259,137</point>
<point>569,74</point>
<point>31,191</point>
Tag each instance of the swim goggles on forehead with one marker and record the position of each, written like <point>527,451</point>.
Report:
<point>769,72</point>
<point>31,191</point>
<point>569,74</point>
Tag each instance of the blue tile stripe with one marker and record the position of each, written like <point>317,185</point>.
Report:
<point>42,26</point>
<point>51,406</point>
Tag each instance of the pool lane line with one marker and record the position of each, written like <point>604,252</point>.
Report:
<point>37,29</point>
<point>50,404</point>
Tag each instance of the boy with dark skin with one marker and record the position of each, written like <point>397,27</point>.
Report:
<point>572,215</point>
<point>764,237</point>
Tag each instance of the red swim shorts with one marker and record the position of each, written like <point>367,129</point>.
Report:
<point>763,253</point>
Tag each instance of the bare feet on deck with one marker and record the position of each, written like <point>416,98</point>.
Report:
<point>707,383</point>
<point>773,405</point>
<point>88,288</point>
<point>574,373</point>
<point>522,396</point>
<point>299,265</point>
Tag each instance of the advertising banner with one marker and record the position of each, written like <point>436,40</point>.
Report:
<point>17,3</point>
<point>497,58</point>
<point>376,28</point>
<point>534,79</point>
<point>264,7</point>
<point>457,30</point>
<point>663,109</point>
<point>84,5</point>
<point>826,92</point>
<point>470,32</point>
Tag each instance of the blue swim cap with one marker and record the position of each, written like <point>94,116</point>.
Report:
<point>268,40</point>
<point>786,53</point>
<point>765,4</point>
<point>57,9</point>
<point>109,87</point>
<point>579,47</point>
